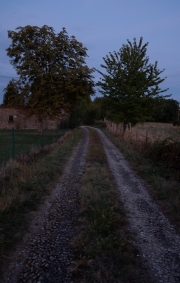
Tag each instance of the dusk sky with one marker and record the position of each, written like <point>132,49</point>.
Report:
<point>102,26</point>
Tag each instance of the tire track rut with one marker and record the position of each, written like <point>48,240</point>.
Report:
<point>47,255</point>
<point>157,240</point>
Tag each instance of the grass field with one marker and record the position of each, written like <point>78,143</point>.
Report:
<point>156,131</point>
<point>24,141</point>
<point>144,133</point>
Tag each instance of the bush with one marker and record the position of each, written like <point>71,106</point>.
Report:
<point>167,153</point>
<point>68,124</point>
<point>176,123</point>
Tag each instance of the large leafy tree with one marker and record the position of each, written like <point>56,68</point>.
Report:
<point>130,83</point>
<point>52,70</point>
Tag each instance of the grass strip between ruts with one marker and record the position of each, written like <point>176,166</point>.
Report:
<point>103,249</point>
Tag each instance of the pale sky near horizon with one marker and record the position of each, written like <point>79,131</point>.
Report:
<point>102,26</point>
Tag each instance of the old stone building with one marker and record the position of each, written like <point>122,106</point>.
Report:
<point>12,117</point>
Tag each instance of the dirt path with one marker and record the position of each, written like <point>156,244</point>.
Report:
<point>46,254</point>
<point>155,236</point>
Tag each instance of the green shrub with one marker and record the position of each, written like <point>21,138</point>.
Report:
<point>176,123</point>
<point>167,153</point>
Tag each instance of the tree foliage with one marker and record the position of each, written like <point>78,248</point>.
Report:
<point>89,111</point>
<point>12,95</point>
<point>166,112</point>
<point>52,70</point>
<point>130,83</point>
<point>100,105</point>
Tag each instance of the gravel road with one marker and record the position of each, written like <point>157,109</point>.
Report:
<point>156,238</point>
<point>46,255</point>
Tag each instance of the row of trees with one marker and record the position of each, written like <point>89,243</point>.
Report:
<point>167,112</point>
<point>54,77</point>
<point>90,111</point>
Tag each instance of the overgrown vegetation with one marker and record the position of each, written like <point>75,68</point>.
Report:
<point>102,247</point>
<point>23,188</point>
<point>166,154</point>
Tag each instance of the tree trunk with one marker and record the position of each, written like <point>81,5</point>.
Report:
<point>40,127</point>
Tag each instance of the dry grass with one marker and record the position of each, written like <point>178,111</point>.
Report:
<point>148,133</point>
<point>144,135</point>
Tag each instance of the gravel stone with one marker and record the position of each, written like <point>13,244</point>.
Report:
<point>46,253</point>
<point>46,256</point>
<point>156,238</point>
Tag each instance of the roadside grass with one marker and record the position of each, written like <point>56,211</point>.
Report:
<point>154,165</point>
<point>24,141</point>
<point>26,186</point>
<point>145,134</point>
<point>103,246</point>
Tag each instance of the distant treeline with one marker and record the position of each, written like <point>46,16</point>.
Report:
<point>166,111</point>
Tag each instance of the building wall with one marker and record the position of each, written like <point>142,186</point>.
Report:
<point>12,117</point>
